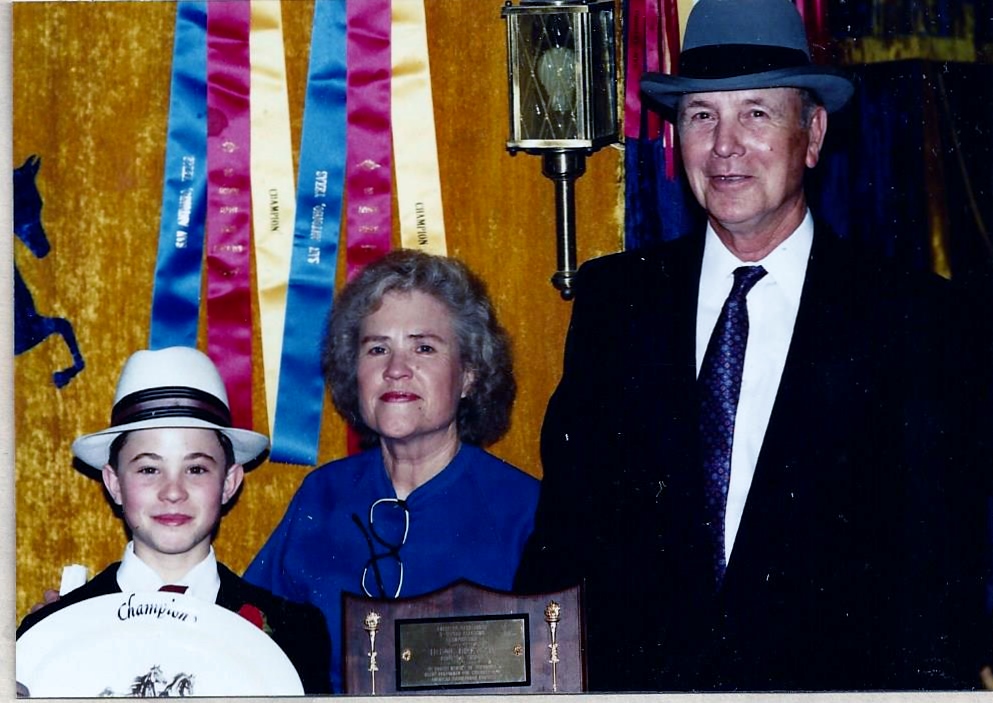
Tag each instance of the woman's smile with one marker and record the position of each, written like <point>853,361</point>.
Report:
<point>399,397</point>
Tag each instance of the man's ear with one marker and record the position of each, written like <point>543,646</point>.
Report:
<point>817,132</point>
<point>232,481</point>
<point>112,483</point>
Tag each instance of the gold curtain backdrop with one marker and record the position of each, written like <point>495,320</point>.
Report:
<point>90,97</point>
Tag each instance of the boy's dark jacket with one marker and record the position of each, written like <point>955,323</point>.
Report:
<point>299,629</point>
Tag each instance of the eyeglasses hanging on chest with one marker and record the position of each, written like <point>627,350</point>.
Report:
<point>386,533</point>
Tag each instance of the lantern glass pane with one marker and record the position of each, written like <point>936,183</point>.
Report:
<point>603,82</point>
<point>550,77</point>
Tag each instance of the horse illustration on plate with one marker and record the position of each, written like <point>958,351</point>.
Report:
<point>148,685</point>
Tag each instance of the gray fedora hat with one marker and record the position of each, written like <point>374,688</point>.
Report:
<point>743,45</point>
<point>172,387</point>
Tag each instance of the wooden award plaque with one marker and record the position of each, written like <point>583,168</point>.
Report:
<point>464,639</point>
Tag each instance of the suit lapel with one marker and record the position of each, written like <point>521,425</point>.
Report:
<point>231,594</point>
<point>814,400</point>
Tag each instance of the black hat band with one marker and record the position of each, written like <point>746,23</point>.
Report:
<point>730,60</point>
<point>170,401</point>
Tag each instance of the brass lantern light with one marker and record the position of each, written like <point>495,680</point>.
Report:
<point>561,71</point>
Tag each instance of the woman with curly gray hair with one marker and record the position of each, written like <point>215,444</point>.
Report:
<point>483,414</point>
<point>419,366</point>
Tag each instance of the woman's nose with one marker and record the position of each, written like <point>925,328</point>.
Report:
<point>397,366</point>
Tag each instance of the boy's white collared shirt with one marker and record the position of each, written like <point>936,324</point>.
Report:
<point>202,581</point>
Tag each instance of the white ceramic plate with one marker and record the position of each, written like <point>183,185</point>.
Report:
<point>151,644</point>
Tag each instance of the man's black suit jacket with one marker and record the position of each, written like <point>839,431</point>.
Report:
<point>299,629</point>
<point>860,558</point>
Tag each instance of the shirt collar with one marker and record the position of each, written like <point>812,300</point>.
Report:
<point>201,581</point>
<point>786,264</point>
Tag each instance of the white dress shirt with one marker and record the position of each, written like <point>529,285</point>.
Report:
<point>201,581</point>
<point>772,308</point>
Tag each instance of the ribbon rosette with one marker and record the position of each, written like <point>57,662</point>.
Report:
<point>256,617</point>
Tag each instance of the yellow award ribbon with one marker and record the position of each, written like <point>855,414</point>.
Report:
<point>415,149</point>
<point>934,178</point>
<point>273,189</point>
<point>684,12</point>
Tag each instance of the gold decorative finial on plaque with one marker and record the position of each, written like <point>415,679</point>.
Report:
<point>371,625</point>
<point>553,612</point>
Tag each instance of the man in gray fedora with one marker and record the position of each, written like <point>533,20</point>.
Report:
<point>766,457</point>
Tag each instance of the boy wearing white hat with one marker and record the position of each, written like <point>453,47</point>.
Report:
<point>171,460</point>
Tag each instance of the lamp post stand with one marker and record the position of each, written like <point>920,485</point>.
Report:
<point>563,167</point>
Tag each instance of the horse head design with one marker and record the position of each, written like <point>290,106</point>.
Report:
<point>146,685</point>
<point>181,687</point>
<point>30,327</point>
<point>27,208</point>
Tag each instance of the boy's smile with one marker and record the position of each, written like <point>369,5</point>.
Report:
<point>171,484</point>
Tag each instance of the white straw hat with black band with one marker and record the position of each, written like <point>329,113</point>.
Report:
<point>744,45</point>
<point>171,387</point>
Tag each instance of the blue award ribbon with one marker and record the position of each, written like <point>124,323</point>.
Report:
<point>656,208</point>
<point>314,263</point>
<point>176,292</point>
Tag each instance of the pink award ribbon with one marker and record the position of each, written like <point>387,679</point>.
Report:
<point>670,64</point>
<point>368,186</point>
<point>229,307</point>
<point>635,68</point>
<point>653,61</point>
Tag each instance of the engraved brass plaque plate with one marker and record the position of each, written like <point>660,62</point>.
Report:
<point>463,652</point>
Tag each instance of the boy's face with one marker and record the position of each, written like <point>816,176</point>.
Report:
<point>171,484</point>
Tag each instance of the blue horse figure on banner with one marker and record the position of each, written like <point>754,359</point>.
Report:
<point>31,328</point>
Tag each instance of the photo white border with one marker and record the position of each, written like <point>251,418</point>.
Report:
<point>7,495</point>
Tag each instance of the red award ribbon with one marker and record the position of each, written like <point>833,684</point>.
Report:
<point>368,189</point>
<point>635,67</point>
<point>229,307</point>
<point>814,16</point>
<point>670,64</point>
<point>653,61</point>
<point>642,57</point>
